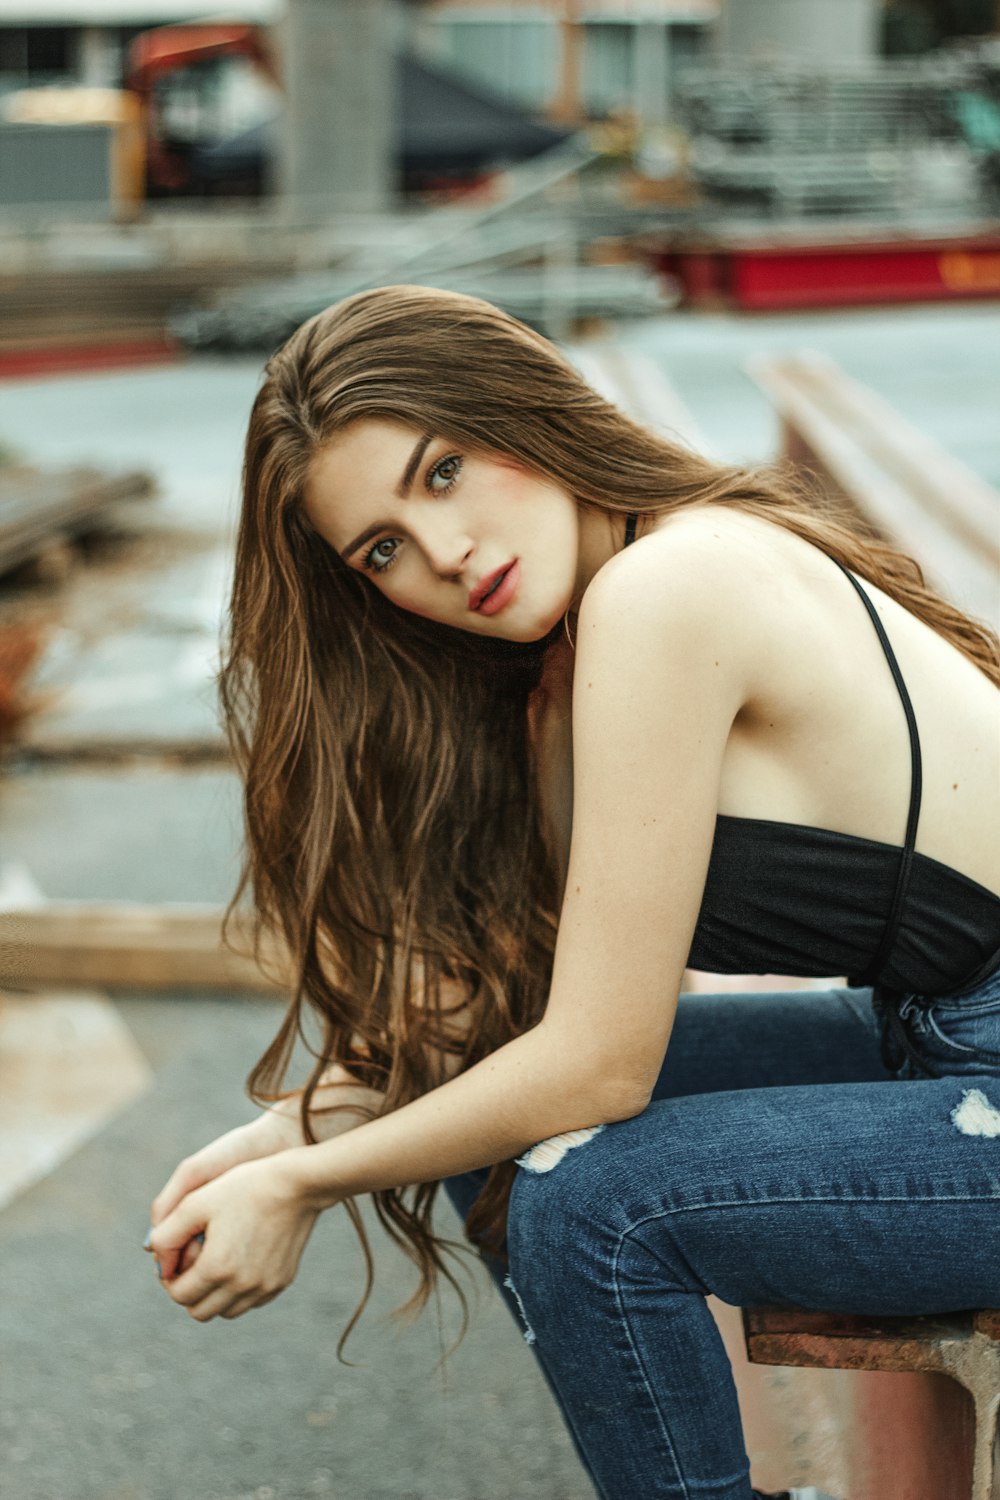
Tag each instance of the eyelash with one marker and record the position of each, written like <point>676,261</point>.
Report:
<point>368,562</point>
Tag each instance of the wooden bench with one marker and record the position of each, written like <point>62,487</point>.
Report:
<point>910,491</point>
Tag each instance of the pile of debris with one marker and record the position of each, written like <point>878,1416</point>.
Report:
<point>44,516</point>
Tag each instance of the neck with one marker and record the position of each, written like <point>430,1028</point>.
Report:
<point>602,535</point>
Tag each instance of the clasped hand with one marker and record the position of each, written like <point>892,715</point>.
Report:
<point>255,1226</point>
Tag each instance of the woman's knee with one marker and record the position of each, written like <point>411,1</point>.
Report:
<point>589,1201</point>
<point>562,1211</point>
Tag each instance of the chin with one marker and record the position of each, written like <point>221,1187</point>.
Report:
<point>534,630</point>
<point>528,636</point>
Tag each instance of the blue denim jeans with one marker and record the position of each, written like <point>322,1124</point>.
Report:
<point>778,1163</point>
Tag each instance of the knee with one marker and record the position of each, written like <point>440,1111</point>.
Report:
<point>550,1243</point>
<point>563,1209</point>
<point>607,1204</point>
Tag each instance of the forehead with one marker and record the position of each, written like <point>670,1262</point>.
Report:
<point>365,461</point>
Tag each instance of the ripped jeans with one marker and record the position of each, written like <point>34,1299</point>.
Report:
<point>778,1163</point>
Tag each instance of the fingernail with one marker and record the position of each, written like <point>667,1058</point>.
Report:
<point>147,1243</point>
<point>200,1237</point>
<point>159,1270</point>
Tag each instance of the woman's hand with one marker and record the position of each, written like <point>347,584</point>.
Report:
<point>255,1226</point>
<point>277,1129</point>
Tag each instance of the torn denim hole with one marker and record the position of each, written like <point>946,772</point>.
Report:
<point>529,1332</point>
<point>975,1115</point>
<point>548,1154</point>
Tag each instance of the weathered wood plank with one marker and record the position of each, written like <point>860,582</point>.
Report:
<point>169,946</point>
<point>37,505</point>
<point>896,478</point>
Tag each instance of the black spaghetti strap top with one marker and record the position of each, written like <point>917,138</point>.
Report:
<point>784,898</point>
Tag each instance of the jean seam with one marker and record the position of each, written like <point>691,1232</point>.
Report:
<point>914,1198</point>
<point>981,1008</point>
<point>641,1366</point>
<point>650,1392</point>
<point>946,1041</point>
<point>987,1054</point>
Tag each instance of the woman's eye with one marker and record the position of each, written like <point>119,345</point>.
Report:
<point>446,470</point>
<point>439,480</point>
<point>377,559</point>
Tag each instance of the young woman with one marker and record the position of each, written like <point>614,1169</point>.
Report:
<point>535,708</point>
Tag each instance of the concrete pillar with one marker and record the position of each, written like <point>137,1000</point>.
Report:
<point>98,58</point>
<point>565,106</point>
<point>651,76</point>
<point>340,146</point>
<point>815,31</point>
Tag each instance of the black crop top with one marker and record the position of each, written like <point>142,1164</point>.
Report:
<point>783,898</point>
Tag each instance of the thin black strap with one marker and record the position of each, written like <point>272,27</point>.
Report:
<point>916,785</point>
<point>630,527</point>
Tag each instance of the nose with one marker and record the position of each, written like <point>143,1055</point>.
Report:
<point>448,549</point>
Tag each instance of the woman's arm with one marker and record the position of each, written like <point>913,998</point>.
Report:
<point>356,1104</point>
<point>658,683</point>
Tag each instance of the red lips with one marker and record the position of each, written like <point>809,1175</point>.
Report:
<point>484,585</point>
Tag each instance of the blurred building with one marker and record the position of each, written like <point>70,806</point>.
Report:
<point>351,124</point>
<point>85,41</point>
<point>583,58</point>
<point>516,48</point>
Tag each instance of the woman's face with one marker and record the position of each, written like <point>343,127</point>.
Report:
<point>430,524</point>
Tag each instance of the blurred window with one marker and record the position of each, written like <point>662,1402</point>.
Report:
<point>608,70</point>
<point>515,57</point>
<point>38,53</point>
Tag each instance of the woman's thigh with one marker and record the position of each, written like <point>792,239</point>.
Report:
<point>747,1041</point>
<point>875,1197</point>
<point>771,1039</point>
<point>807,1175</point>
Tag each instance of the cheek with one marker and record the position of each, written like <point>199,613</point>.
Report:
<point>410,601</point>
<point>542,517</point>
<point>414,609</point>
<point>521,488</point>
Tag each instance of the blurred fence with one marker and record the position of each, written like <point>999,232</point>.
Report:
<point>526,252</point>
<point>845,140</point>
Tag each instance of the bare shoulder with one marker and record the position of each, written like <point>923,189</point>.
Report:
<point>709,579</point>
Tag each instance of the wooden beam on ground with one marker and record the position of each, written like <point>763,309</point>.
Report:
<point>134,946</point>
<point>895,477</point>
<point>636,383</point>
<point>36,505</point>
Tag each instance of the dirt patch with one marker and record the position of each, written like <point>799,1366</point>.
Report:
<point>19,648</point>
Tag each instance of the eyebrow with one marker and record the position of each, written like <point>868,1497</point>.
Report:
<point>402,490</point>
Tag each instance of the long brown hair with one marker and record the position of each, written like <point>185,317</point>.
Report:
<point>381,751</point>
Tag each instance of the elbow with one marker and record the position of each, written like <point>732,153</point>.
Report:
<point>597,1092</point>
<point>613,1097</point>
<point>591,1086</point>
<point>600,1106</point>
<point>623,1099</point>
